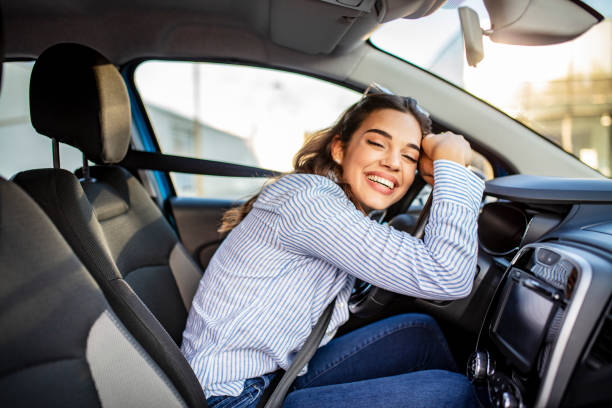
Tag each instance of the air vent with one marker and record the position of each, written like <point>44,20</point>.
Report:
<point>601,352</point>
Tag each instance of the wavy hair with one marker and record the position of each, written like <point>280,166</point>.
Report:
<point>315,156</point>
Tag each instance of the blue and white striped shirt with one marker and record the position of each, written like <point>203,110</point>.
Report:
<point>301,247</point>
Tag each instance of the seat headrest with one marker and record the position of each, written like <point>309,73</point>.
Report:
<point>78,97</point>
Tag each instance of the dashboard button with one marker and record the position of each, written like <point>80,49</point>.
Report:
<point>547,257</point>
<point>478,367</point>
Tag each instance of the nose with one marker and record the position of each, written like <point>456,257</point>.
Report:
<point>392,159</point>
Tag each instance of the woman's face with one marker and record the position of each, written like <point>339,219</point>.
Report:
<point>380,160</point>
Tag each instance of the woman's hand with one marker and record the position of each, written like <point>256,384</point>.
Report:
<point>442,146</point>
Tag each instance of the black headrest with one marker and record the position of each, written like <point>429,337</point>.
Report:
<point>78,97</point>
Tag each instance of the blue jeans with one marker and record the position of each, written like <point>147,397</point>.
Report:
<point>253,389</point>
<point>400,361</point>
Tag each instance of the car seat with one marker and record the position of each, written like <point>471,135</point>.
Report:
<point>78,97</point>
<point>61,344</point>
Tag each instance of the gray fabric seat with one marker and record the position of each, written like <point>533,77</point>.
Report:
<point>79,98</point>
<point>61,344</point>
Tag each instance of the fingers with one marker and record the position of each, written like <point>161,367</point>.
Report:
<point>447,146</point>
<point>426,168</point>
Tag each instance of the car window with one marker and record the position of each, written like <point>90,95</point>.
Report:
<point>21,147</point>
<point>238,114</point>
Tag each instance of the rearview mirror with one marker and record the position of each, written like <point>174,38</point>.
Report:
<point>472,35</point>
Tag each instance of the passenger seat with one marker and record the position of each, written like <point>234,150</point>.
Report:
<point>61,344</point>
<point>78,97</point>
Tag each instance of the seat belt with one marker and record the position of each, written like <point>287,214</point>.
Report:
<point>301,359</point>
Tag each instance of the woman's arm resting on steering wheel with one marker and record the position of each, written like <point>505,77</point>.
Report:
<point>319,221</point>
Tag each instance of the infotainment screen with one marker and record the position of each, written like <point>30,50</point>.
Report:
<point>521,324</point>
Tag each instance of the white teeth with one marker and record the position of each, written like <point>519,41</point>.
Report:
<point>383,181</point>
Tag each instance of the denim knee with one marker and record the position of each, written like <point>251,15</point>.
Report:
<point>407,320</point>
<point>411,318</point>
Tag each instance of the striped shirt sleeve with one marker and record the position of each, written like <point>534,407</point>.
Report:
<point>322,223</point>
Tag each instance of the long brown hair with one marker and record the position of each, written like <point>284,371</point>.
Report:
<point>315,156</point>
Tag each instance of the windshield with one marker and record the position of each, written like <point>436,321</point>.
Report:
<point>562,91</point>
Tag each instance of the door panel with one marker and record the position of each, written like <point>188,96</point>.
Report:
<point>197,221</point>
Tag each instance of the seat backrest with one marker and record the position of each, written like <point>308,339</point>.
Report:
<point>78,97</point>
<point>143,246</point>
<point>122,238</point>
<point>61,344</point>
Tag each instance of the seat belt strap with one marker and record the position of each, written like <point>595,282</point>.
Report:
<point>301,359</point>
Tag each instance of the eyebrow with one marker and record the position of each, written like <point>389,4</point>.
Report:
<point>388,136</point>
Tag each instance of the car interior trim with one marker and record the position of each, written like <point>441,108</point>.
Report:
<point>553,378</point>
<point>550,190</point>
<point>143,136</point>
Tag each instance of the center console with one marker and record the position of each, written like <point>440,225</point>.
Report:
<point>535,330</point>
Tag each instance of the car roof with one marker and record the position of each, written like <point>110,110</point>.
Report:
<point>125,30</point>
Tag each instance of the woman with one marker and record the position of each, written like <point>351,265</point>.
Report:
<point>301,242</point>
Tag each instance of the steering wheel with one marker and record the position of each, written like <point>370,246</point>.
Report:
<point>366,299</point>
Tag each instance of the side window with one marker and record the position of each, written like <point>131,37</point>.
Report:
<point>237,114</point>
<point>21,148</point>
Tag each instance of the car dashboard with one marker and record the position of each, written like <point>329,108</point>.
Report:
<point>545,339</point>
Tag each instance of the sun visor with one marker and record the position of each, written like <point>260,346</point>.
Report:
<point>327,26</point>
<point>539,22</point>
<point>315,27</point>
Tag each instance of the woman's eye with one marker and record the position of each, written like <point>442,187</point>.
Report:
<point>373,143</point>
<point>410,158</point>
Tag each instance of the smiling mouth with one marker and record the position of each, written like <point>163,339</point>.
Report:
<point>382,181</point>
